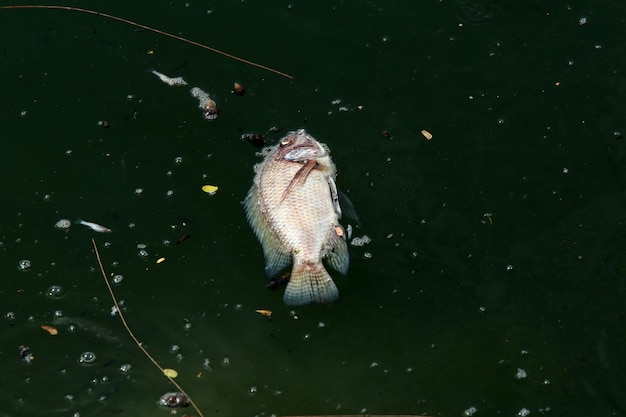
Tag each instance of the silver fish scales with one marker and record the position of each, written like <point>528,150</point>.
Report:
<point>293,209</point>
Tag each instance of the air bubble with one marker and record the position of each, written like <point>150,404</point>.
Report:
<point>87,358</point>
<point>226,362</point>
<point>523,412</point>
<point>125,368</point>
<point>367,255</point>
<point>178,160</point>
<point>23,265</point>
<point>54,291</point>
<point>321,325</point>
<point>169,193</point>
<point>520,374</point>
<point>470,411</point>
<point>509,267</point>
<point>252,390</point>
<point>117,279</point>
<point>143,253</point>
<point>58,313</point>
<point>63,224</point>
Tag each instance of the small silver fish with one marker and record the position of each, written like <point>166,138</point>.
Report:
<point>94,226</point>
<point>293,208</point>
<point>169,80</point>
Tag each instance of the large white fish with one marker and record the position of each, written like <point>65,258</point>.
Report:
<point>293,208</point>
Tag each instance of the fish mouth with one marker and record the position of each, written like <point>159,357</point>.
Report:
<point>299,146</point>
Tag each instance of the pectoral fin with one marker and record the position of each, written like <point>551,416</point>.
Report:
<point>337,255</point>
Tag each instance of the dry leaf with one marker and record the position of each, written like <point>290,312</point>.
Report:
<point>266,313</point>
<point>210,189</point>
<point>50,330</point>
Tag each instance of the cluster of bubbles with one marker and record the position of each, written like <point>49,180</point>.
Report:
<point>361,241</point>
<point>54,291</point>
<point>23,265</point>
<point>87,358</point>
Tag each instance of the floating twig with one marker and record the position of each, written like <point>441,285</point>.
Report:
<point>160,32</point>
<point>132,335</point>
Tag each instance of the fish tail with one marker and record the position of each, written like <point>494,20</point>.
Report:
<point>310,283</point>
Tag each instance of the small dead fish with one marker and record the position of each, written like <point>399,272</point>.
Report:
<point>293,208</point>
<point>94,226</point>
<point>169,80</point>
<point>206,104</point>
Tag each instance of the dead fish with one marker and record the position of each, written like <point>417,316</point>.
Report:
<point>94,226</point>
<point>293,208</point>
<point>205,103</point>
<point>169,80</point>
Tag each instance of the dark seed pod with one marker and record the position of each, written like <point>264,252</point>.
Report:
<point>239,89</point>
<point>174,400</point>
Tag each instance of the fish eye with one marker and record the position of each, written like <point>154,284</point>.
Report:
<point>285,142</point>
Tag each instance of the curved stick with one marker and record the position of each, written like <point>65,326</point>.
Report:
<point>130,332</point>
<point>139,25</point>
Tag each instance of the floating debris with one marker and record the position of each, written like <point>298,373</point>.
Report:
<point>160,260</point>
<point>361,241</point>
<point>26,355</point>
<point>182,239</point>
<point>427,134</point>
<point>239,89</point>
<point>50,330</point>
<point>208,106</point>
<point>266,313</point>
<point>256,139</point>
<point>169,80</point>
<point>170,372</point>
<point>174,400</point>
<point>210,189</point>
<point>63,224</point>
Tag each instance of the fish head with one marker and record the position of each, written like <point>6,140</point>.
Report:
<point>299,146</point>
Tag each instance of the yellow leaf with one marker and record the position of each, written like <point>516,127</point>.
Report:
<point>266,313</point>
<point>160,260</point>
<point>210,189</point>
<point>170,372</point>
<point>427,134</point>
<point>50,330</point>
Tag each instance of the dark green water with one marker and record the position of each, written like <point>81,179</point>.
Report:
<point>523,102</point>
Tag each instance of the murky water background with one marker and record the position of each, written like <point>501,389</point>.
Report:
<point>495,278</point>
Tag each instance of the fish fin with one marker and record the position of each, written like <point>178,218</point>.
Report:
<point>277,257</point>
<point>347,207</point>
<point>337,256</point>
<point>310,283</point>
<point>300,177</point>
<point>334,195</point>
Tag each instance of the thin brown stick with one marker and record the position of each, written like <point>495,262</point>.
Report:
<point>130,332</point>
<point>139,25</point>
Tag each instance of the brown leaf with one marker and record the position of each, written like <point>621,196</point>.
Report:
<point>50,330</point>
